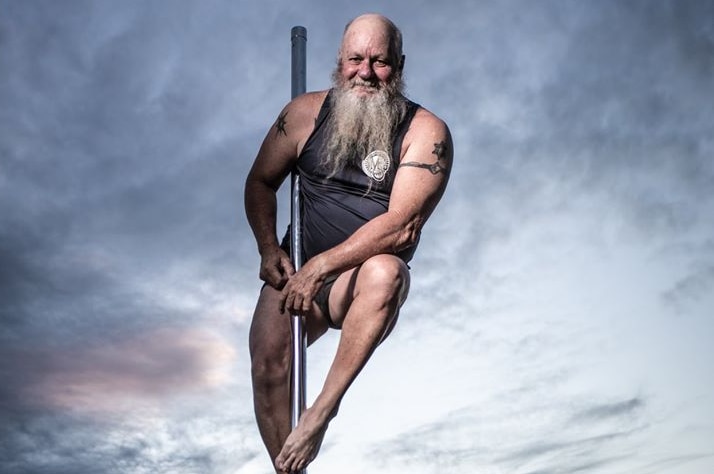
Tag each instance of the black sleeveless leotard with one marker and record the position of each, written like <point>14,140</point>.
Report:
<point>331,210</point>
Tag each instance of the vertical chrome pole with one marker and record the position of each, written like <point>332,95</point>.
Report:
<point>298,38</point>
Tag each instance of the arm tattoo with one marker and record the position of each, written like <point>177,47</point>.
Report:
<point>280,124</point>
<point>436,167</point>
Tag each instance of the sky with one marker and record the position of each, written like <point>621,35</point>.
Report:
<point>561,311</point>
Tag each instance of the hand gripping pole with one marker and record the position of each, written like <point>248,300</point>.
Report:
<point>298,38</point>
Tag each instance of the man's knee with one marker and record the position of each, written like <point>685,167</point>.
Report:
<point>269,343</point>
<point>386,275</point>
<point>270,367</point>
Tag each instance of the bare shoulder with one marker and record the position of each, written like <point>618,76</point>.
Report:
<point>307,104</point>
<point>297,119</point>
<point>301,112</point>
<point>425,121</point>
<point>428,142</point>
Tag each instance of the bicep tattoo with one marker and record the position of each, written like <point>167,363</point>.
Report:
<point>280,124</point>
<point>439,166</point>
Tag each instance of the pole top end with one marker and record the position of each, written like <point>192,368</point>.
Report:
<point>298,31</point>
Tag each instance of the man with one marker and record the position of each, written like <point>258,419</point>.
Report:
<point>373,166</point>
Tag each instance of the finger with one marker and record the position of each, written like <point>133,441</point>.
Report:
<point>294,305</point>
<point>297,304</point>
<point>280,271</point>
<point>306,304</point>
<point>289,307</point>
<point>288,266</point>
<point>281,281</point>
<point>283,298</point>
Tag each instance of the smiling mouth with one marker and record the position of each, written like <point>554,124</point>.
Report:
<point>364,85</point>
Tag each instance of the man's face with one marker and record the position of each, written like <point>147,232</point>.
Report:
<point>366,63</point>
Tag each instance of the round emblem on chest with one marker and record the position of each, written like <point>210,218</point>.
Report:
<point>376,164</point>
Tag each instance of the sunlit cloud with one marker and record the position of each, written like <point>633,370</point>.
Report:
<point>145,369</point>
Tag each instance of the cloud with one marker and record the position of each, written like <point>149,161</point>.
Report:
<point>608,410</point>
<point>163,400</point>
<point>119,187</point>
<point>117,375</point>
<point>680,461</point>
<point>142,443</point>
<point>473,438</point>
<point>693,288</point>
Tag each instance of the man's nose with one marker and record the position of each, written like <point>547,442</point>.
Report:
<point>365,70</point>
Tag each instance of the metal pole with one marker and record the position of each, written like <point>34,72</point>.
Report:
<point>298,38</point>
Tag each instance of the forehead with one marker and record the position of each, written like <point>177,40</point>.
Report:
<point>367,38</point>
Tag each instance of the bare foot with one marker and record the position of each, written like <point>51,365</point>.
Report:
<point>303,443</point>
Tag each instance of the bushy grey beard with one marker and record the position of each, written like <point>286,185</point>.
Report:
<point>359,125</point>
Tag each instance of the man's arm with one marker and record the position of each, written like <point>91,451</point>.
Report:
<point>419,184</point>
<point>276,157</point>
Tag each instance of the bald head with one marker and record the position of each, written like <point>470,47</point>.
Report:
<point>377,27</point>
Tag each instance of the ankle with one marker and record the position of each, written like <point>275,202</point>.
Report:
<point>323,412</point>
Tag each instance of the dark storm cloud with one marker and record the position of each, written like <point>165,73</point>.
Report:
<point>633,90</point>
<point>50,443</point>
<point>557,104</point>
<point>119,194</point>
<point>115,168</point>
<point>593,98</point>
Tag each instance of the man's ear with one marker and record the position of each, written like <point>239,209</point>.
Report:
<point>401,63</point>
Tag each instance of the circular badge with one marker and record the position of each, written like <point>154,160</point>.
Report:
<point>376,164</point>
